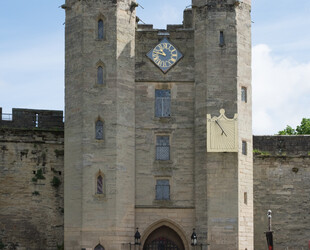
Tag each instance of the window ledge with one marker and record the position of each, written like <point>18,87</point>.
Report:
<point>99,196</point>
<point>167,119</point>
<point>163,162</point>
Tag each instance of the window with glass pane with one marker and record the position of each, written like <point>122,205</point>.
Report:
<point>244,94</point>
<point>162,102</point>
<point>244,148</point>
<point>99,130</point>
<point>100,75</point>
<point>100,30</point>
<point>162,190</point>
<point>99,185</point>
<point>162,148</point>
<point>222,42</point>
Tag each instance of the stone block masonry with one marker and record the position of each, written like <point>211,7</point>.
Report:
<point>282,184</point>
<point>31,188</point>
<point>31,212</point>
<point>33,118</point>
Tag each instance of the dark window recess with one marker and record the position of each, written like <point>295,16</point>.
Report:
<point>99,130</point>
<point>162,102</point>
<point>222,41</point>
<point>100,75</point>
<point>100,30</point>
<point>244,94</point>
<point>99,185</point>
<point>59,172</point>
<point>244,148</point>
<point>245,198</point>
<point>162,190</point>
<point>162,148</point>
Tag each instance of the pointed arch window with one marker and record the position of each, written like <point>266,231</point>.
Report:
<point>100,75</point>
<point>100,184</point>
<point>99,130</point>
<point>100,29</point>
<point>99,247</point>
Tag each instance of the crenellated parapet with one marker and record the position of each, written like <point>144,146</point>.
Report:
<point>32,118</point>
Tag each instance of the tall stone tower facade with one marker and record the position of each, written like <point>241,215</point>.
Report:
<point>100,123</point>
<point>223,81</point>
<point>158,127</point>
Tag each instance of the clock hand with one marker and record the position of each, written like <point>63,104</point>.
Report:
<point>160,53</point>
<point>223,132</point>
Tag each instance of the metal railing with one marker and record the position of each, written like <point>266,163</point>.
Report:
<point>7,117</point>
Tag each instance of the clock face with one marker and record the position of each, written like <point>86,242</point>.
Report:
<point>222,133</point>
<point>164,55</point>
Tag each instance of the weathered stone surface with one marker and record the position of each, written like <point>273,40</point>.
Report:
<point>31,208</point>
<point>281,183</point>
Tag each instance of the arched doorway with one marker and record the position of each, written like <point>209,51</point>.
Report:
<point>163,238</point>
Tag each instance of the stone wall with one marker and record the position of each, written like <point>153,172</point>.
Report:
<point>31,188</point>
<point>31,212</point>
<point>282,184</point>
<point>33,118</point>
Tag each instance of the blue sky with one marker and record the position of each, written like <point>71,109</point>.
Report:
<point>32,56</point>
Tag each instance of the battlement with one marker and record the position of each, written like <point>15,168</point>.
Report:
<point>187,23</point>
<point>32,118</point>
<point>281,145</point>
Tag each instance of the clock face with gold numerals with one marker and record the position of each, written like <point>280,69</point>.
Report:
<point>222,133</point>
<point>164,55</point>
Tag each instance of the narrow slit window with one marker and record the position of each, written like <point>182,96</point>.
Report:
<point>99,185</point>
<point>222,42</point>
<point>100,30</point>
<point>99,130</point>
<point>245,197</point>
<point>244,147</point>
<point>244,94</point>
<point>100,75</point>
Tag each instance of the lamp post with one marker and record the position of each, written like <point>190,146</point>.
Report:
<point>194,240</point>
<point>269,233</point>
<point>137,239</point>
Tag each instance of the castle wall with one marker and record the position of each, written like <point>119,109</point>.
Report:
<point>31,213</point>
<point>282,184</point>
<point>31,208</point>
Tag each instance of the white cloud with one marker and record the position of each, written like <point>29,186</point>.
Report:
<point>281,91</point>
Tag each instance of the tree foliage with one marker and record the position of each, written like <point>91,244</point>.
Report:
<point>302,129</point>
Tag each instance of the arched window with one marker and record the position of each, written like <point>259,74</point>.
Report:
<point>99,184</point>
<point>100,30</point>
<point>99,130</point>
<point>100,75</point>
<point>99,247</point>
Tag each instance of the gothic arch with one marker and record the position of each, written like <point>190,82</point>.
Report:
<point>101,27</point>
<point>169,224</point>
<point>101,73</point>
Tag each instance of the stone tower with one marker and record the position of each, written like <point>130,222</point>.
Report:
<point>99,127</point>
<point>137,131</point>
<point>224,180</point>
